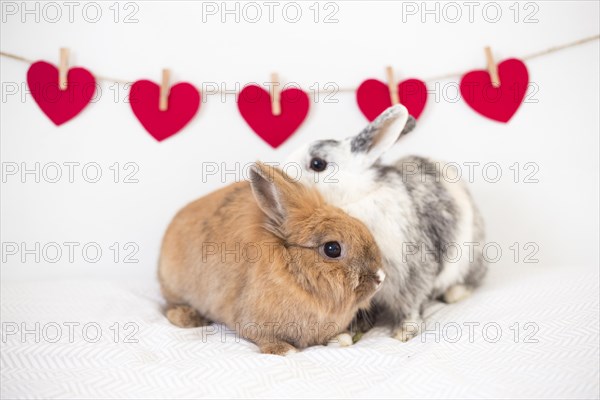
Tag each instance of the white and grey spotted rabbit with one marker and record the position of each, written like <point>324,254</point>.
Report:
<point>424,224</point>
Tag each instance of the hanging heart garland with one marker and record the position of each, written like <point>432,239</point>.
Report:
<point>63,93</point>
<point>255,105</point>
<point>60,105</point>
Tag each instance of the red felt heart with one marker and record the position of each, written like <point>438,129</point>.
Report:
<point>373,97</point>
<point>254,104</point>
<point>60,105</point>
<point>182,104</point>
<point>499,103</point>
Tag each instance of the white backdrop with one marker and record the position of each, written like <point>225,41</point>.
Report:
<point>557,128</point>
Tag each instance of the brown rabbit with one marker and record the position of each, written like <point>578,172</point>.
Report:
<point>270,259</point>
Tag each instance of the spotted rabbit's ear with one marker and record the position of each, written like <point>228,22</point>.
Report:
<point>410,125</point>
<point>381,134</point>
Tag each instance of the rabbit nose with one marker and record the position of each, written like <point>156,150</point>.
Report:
<point>379,277</point>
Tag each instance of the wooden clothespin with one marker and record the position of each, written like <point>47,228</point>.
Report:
<point>492,67</point>
<point>63,68</point>
<point>163,103</point>
<point>392,87</point>
<point>275,98</point>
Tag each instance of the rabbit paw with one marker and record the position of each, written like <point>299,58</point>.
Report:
<point>408,329</point>
<point>186,317</point>
<point>277,348</point>
<point>343,339</point>
<point>456,293</point>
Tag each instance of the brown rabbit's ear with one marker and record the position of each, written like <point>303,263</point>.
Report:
<point>269,189</point>
<point>279,195</point>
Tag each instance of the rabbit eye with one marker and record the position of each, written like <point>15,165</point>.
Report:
<point>332,249</point>
<point>318,164</point>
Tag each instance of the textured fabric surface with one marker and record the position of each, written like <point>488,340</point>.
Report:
<point>477,353</point>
